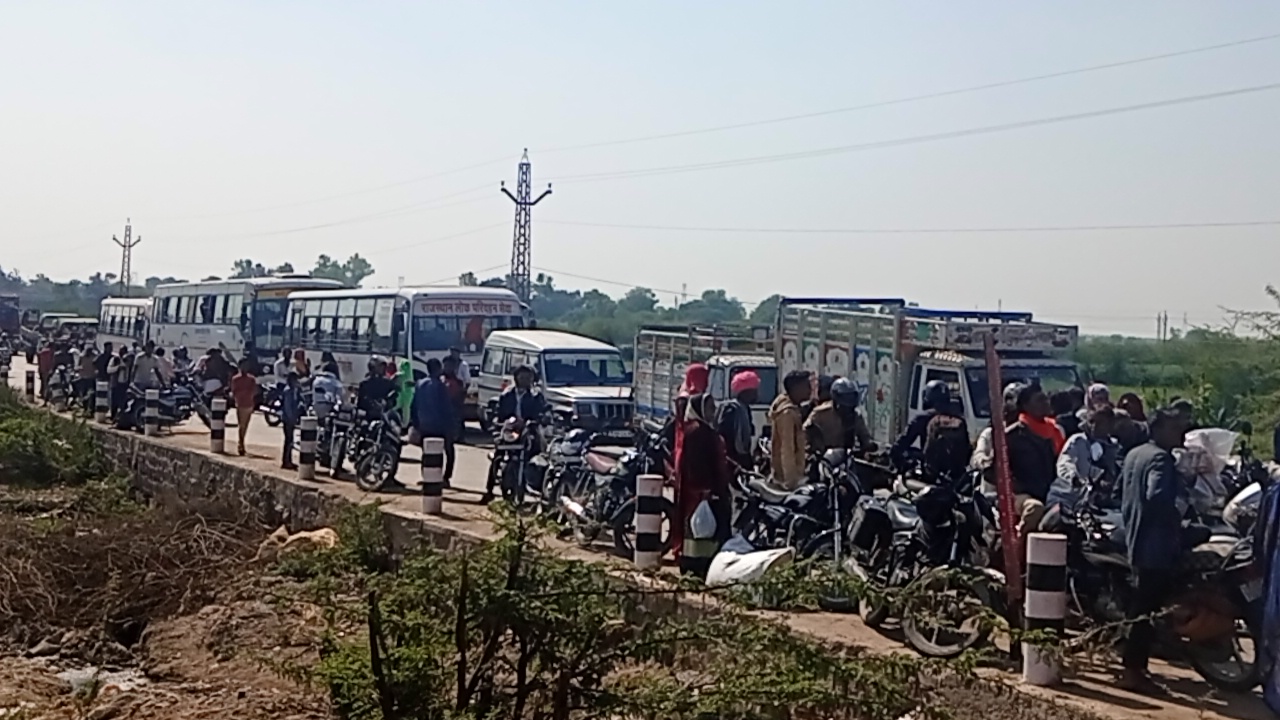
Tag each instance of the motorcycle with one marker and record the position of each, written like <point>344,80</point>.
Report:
<point>592,491</point>
<point>931,542</point>
<point>375,451</point>
<point>178,403</point>
<point>813,519</point>
<point>1217,605</point>
<point>515,465</point>
<point>269,401</point>
<point>336,437</point>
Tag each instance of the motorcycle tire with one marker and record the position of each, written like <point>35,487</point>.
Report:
<point>512,488</point>
<point>1209,661</point>
<point>976,596</point>
<point>831,599</point>
<point>272,419</point>
<point>374,470</point>
<point>624,529</point>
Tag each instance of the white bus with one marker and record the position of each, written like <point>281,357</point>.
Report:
<point>243,317</point>
<point>411,323</point>
<point>124,321</point>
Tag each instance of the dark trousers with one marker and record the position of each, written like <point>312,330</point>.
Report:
<point>1150,595</point>
<point>119,398</point>
<point>286,458</point>
<point>450,456</point>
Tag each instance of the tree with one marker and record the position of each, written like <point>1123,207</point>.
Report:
<point>638,300</point>
<point>350,273</point>
<point>246,268</point>
<point>767,311</point>
<point>468,279</point>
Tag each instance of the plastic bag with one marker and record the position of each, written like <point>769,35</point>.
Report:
<point>703,522</point>
<point>738,562</point>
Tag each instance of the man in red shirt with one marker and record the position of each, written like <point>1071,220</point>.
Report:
<point>244,393</point>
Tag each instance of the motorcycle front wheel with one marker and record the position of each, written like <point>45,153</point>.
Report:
<point>512,484</point>
<point>947,613</point>
<point>624,528</point>
<point>837,595</point>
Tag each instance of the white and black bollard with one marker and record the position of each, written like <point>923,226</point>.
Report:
<point>4,373</point>
<point>308,433</point>
<point>29,386</point>
<point>648,549</point>
<point>1046,605</point>
<point>218,425</point>
<point>151,412</point>
<point>101,401</point>
<point>433,475</point>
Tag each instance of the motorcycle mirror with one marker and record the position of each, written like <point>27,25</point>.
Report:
<point>1246,427</point>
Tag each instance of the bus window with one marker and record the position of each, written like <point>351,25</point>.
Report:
<point>235,306</point>
<point>184,309</point>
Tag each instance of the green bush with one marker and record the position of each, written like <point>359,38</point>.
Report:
<point>40,449</point>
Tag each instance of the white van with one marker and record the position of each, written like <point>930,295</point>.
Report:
<point>584,380</point>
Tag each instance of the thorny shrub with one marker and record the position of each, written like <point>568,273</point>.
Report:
<point>511,630</point>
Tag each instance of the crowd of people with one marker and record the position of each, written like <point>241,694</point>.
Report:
<point>1054,445</point>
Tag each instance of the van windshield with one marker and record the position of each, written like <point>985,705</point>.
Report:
<point>584,368</point>
<point>1052,378</point>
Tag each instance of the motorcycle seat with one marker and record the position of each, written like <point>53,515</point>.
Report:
<point>600,464</point>
<point>902,515</point>
<point>767,492</point>
<point>915,486</point>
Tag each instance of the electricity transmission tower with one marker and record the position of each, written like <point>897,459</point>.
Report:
<point>126,256</point>
<point>521,254</point>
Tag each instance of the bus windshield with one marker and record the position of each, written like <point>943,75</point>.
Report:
<point>269,324</point>
<point>562,369</point>
<point>435,333</point>
<point>1051,377</point>
<point>10,317</point>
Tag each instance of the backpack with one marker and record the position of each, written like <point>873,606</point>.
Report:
<point>946,445</point>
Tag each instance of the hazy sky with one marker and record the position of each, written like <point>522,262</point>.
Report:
<point>215,126</point>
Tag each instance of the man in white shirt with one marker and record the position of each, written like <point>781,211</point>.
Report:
<point>464,370</point>
<point>145,366</point>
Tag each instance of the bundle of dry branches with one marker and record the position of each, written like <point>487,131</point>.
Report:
<point>112,572</point>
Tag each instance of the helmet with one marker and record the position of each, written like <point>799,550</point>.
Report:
<point>377,365</point>
<point>844,393</point>
<point>937,395</point>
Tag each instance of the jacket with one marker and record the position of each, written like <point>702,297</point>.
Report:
<point>941,460</point>
<point>1077,465</point>
<point>1152,523</point>
<point>1032,462</point>
<point>432,412</point>
<point>733,420</point>
<point>290,406</point>
<point>825,429</point>
<point>529,406</point>
<point>787,449</point>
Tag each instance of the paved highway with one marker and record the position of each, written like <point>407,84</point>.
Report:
<point>264,442</point>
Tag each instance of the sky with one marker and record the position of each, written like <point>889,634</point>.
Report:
<point>281,130</point>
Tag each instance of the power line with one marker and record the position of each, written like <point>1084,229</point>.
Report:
<point>915,98</point>
<point>922,231</point>
<point>434,240</point>
<point>339,196</point>
<point>913,140</point>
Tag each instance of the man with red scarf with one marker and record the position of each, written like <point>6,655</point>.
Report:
<point>1034,443</point>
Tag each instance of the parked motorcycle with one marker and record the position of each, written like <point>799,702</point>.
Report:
<point>931,543</point>
<point>375,450</point>
<point>1217,608</point>
<point>178,402</point>
<point>336,437</point>
<point>515,465</point>
<point>593,491</point>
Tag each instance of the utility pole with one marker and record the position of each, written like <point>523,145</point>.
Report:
<point>521,251</point>
<point>126,256</point>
